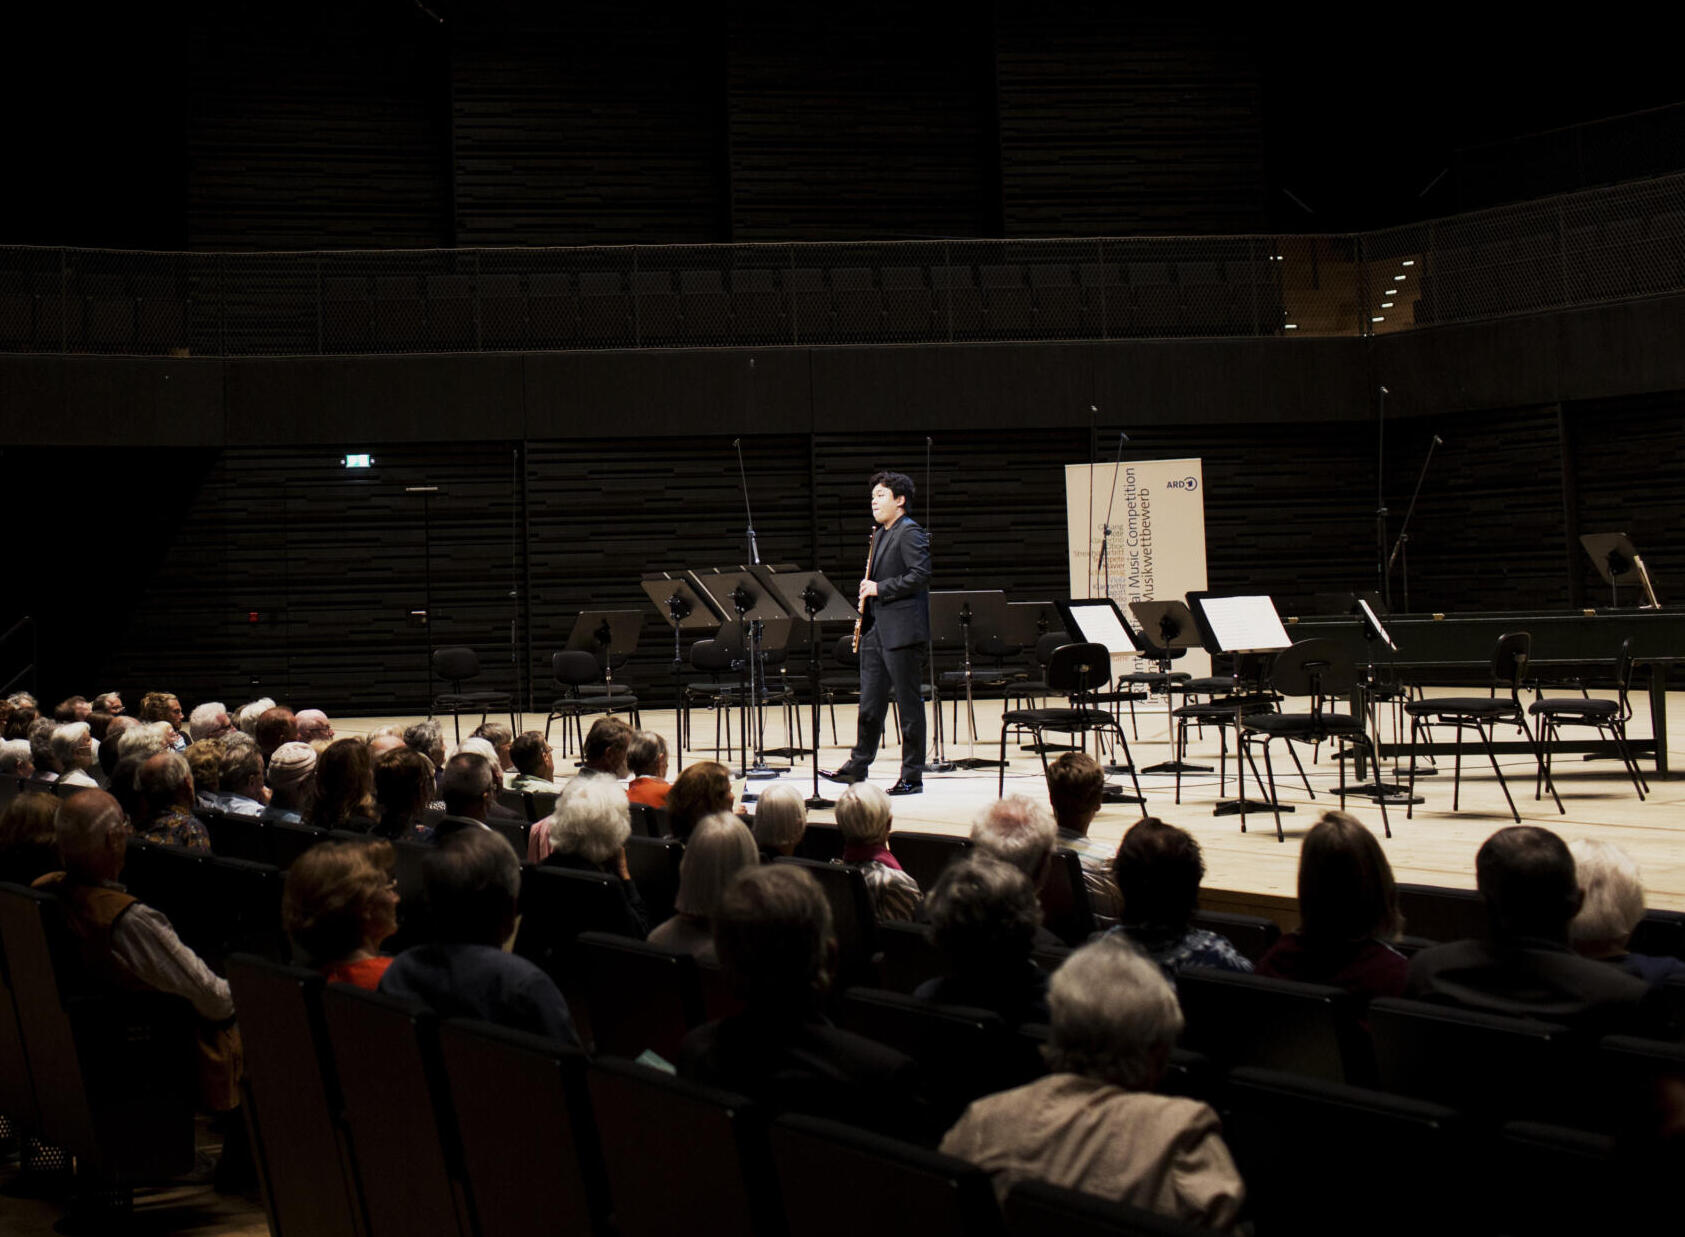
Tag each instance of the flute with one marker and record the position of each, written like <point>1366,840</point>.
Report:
<point>871,548</point>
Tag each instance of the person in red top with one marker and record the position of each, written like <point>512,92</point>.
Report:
<point>646,757</point>
<point>340,903</point>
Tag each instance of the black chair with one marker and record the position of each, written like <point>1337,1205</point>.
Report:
<point>715,1167</point>
<point>821,842</point>
<point>1251,935</point>
<point>1556,1179</point>
<point>1075,671</point>
<point>557,904</point>
<point>514,800</point>
<point>1240,1019</point>
<point>240,907</point>
<point>1066,911</point>
<point>456,664</point>
<point>17,1088</point>
<point>654,865</point>
<point>824,1165</point>
<point>910,957</point>
<point>648,822</point>
<point>640,996</point>
<point>1608,716</point>
<point>293,1101</point>
<point>514,832</point>
<point>1312,1150</point>
<point>540,804</point>
<point>852,917</point>
<point>1038,1209</point>
<point>552,1126</point>
<point>1633,1078</point>
<point>399,1114</point>
<point>1486,1065</point>
<point>1660,933</point>
<point>584,692</point>
<point>924,855</point>
<point>1320,670</point>
<point>1480,714</point>
<point>235,837</point>
<point>286,841</point>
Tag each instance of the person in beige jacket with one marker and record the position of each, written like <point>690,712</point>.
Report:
<point>1093,1124</point>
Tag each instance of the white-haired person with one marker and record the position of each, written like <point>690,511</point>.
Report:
<point>40,737</point>
<point>1613,904</point>
<point>15,759</point>
<point>208,721</point>
<point>646,760</point>
<point>500,737</point>
<point>1021,833</point>
<point>313,726</point>
<point>292,782</point>
<point>1093,1124</point>
<point>241,786</point>
<point>719,848</point>
<point>780,820</point>
<point>73,748</point>
<point>588,833</point>
<point>165,786</point>
<point>983,918</point>
<point>864,817</point>
<point>246,718</point>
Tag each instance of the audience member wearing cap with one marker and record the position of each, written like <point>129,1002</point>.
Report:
<point>292,782</point>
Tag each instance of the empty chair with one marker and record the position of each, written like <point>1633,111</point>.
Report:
<point>858,304</point>
<point>839,1181</point>
<point>679,1155</point>
<point>641,997</point>
<point>1076,671</point>
<point>906,301</point>
<point>585,692</point>
<point>557,905</point>
<point>457,664</point>
<point>759,313</point>
<point>1239,1019</point>
<point>1442,914</point>
<point>1606,716</point>
<point>1011,308</point>
<point>960,311</point>
<point>809,299</point>
<point>1060,306</point>
<point>1066,910</point>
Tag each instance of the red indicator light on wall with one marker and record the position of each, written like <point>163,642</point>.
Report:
<point>251,616</point>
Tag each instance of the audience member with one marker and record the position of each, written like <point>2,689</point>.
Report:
<point>246,718</point>
<point>500,737</point>
<point>208,721</point>
<point>536,763</point>
<point>143,739</point>
<point>646,758</point>
<point>428,738</point>
<point>1348,912</point>
<point>719,848</point>
<point>864,817</point>
<point>275,727</point>
<point>780,820</point>
<point>383,739</point>
<point>606,745</point>
<point>773,934</point>
<point>472,881</point>
<point>1020,832</point>
<point>109,752</point>
<point>1093,1124</point>
<point>28,848</point>
<point>204,762</point>
<point>166,790</point>
<point>73,749</point>
<point>40,736</point>
<point>403,785</point>
<point>99,723</point>
<point>313,726</point>
<point>588,833</point>
<point>339,903</point>
<point>468,787</point>
<point>344,788</point>
<point>241,783</point>
<point>701,790</point>
<point>1613,904</point>
<point>292,782</point>
<point>15,759</point>
<point>109,702</point>
<point>22,718</point>
<point>983,917</point>
<point>1076,785</point>
<point>72,709</point>
<point>1158,869</point>
<point>162,707</point>
<point>1525,968</point>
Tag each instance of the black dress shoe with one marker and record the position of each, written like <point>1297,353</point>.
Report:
<point>844,775</point>
<point>904,787</point>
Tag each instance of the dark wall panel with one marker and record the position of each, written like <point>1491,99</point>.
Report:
<point>1629,461</point>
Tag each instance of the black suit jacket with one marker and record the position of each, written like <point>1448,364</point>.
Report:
<point>901,567</point>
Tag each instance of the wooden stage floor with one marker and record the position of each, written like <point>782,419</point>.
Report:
<point>1252,870</point>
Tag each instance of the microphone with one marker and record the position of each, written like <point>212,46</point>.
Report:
<point>737,442</point>
<point>1122,437</point>
<point>1438,441</point>
<point>1384,391</point>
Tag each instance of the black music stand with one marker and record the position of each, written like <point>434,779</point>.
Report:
<point>1247,624</point>
<point>1617,560</point>
<point>816,597</point>
<point>1375,631</point>
<point>1028,621</point>
<point>1168,625</point>
<point>685,610</point>
<point>608,634</point>
<point>1098,620</point>
<point>741,593</point>
<point>958,619</point>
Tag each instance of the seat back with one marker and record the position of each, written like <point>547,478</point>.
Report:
<point>1633,1081</point>
<point>1316,668</point>
<point>910,957</point>
<point>399,1114</point>
<point>654,865</point>
<point>236,837</point>
<point>1074,669</point>
<point>241,910</point>
<point>1441,914</point>
<point>924,855</point>
<point>541,804</point>
<point>288,841</point>
<point>512,831</point>
<point>514,800</point>
<point>557,905</point>
<point>551,1127</point>
<point>1239,1019</point>
<point>711,1148</point>
<point>1310,1149</point>
<point>648,821</point>
<point>455,663</point>
<point>640,996</point>
<point>852,917</point>
<point>1509,660</point>
<point>950,1197</point>
<point>1485,1064</point>
<point>822,842</point>
<point>17,1090</point>
<point>295,1103</point>
<point>1251,935</point>
<point>1039,1209</point>
<point>575,667</point>
<point>1065,908</point>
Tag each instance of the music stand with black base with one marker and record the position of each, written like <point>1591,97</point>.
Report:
<point>754,604</point>
<point>1618,562</point>
<point>959,619</point>
<point>1098,620</point>
<point>1380,790</point>
<point>685,610</point>
<point>1168,625</point>
<point>816,597</point>
<point>1240,625</point>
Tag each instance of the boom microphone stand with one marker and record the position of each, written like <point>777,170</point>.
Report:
<point>939,762</point>
<point>1399,553</point>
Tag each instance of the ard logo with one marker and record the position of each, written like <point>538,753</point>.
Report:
<point>1189,484</point>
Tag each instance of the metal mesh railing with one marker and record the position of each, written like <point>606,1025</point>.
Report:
<point>1578,249</point>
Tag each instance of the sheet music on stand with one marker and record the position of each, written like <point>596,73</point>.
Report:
<point>1098,620</point>
<point>1244,624</point>
<point>1372,623</point>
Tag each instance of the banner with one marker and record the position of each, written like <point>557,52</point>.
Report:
<point>1156,550</point>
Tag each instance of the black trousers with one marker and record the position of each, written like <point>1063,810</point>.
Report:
<point>879,669</point>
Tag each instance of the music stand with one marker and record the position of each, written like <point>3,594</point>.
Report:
<point>1617,560</point>
<point>740,592</point>
<point>816,597</point>
<point>1028,621</point>
<point>1097,620</point>
<point>1247,624</point>
<point>685,610</point>
<point>959,618</point>
<point>1169,625</point>
<point>1375,631</point>
<point>608,634</point>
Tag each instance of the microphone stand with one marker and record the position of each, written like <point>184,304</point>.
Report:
<point>1398,550</point>
<point>1381,500</point>
<point>940,762</point>
<point>1105,570</point>
<point>426,616</point>
<point>752,717</point>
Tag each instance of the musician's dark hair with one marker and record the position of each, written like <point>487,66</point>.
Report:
<point>899,483</point>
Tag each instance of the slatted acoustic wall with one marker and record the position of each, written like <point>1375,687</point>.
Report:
<point>1116,121</point>
<point>319,127</point>
<point>590,126</point>
<point>1629,460</point>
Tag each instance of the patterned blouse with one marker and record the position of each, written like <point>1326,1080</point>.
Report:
<point>176,826</point>
<point>1175,951</point>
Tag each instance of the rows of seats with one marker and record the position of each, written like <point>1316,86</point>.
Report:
<point>74,311</point>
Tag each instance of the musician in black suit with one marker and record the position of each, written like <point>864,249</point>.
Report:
<point>895,602</point>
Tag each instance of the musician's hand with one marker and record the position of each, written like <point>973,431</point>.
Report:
<point>868,588</point>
